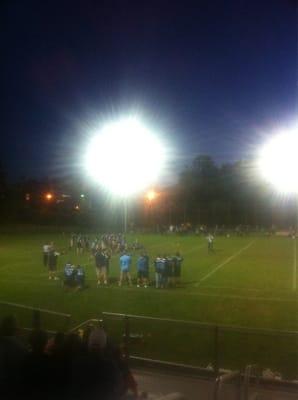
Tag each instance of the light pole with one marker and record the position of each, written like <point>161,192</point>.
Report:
<point>150,197</point>
<point>125,214</point>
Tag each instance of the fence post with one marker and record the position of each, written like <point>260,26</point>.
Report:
<point>126,336</point>
<point>36,320</point>
<point>216,349</point>
<point>68,324</point>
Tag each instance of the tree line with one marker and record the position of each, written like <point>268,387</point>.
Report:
<point>205,193</point>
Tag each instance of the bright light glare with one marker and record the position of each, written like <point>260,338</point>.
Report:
<point>151,195</point>
<point>125,157</point>
<point>49,196</point>
<point>278,161</point>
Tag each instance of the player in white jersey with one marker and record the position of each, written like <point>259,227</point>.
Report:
<point>210,240</point>
<point>45,252</point>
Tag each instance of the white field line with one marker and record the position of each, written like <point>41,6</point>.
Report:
<point>295,266</point>
<point>285,291</point>
<point>224,263</point>
<point>239,297</point>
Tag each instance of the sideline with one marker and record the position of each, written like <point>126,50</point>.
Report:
<point>224,263</point>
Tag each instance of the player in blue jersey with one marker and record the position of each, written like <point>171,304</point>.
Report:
<point>143,271</point>
<point>164,272</point>
<point>169,271</point>
<point>80,277</point>
<point>125,264</point>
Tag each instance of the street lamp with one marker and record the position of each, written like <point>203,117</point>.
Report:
<point>150,196</point>
<point>278,164</point>
<point>49,196</point>
<point>124,157</point>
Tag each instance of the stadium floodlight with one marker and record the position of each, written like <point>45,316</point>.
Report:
<point>125,157</point>
<point>151,195</point>
<point>278,161</point>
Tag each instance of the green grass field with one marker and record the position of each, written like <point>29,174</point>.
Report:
<point>247,282</point>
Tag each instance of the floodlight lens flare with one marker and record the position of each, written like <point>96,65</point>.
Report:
<point>151,195</point>
<point>125,157</point>
<point>278,161</point>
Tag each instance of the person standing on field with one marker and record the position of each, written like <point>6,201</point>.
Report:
<point>52,264</point>
<point>142,271</point>
<point>210,240</point>
<point>158,271</point>
<point>177,268</point>
<point>107,257</point>
<point>170,271</point>
<point>100,266</point>
<point>80,277</point>
<point>45,254</point>
<point>164,272</point>
<point>125,264</point>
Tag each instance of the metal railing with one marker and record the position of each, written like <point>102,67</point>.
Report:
<point>226,378</point>
<point>126,318</point>
<point>87,323</point>
<point>37,317</point>
<point>219,341</point>
<point>249,372</point>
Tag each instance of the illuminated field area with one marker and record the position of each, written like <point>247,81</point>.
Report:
<point>246,282</point>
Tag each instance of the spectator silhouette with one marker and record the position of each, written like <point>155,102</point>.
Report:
<point>12,353</point>
<point>36,368</point>
<point>94,375</point>
<point>65,367</point>
<point>55,348</point>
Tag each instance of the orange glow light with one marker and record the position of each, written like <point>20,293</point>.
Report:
<point>151,195</point>
<point>49,196</point>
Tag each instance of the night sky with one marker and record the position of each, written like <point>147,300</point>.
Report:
<point>213,76</point>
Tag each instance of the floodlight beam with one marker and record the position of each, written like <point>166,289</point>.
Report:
<point>125,157</point>
<point>278,164</point>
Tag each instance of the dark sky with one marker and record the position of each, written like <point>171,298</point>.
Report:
<point>212,75</point>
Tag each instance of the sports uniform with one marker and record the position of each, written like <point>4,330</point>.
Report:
<point>80,277</point>
<point>125,264</point>
<point>69,275</point>
<point>158,271</point>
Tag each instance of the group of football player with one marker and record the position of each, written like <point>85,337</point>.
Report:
<point>166,268</point>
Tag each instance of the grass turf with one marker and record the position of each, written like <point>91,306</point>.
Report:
<point>247,282</point>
